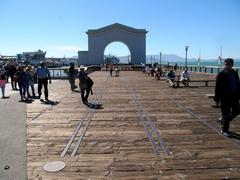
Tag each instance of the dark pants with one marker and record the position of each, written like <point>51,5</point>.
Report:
<point>43,82</point>
<point>229,112</point>
<point>72,82</point>
<point>111,72</point>
<point>83,96</point>
<point>21,86</point>
<point>13,83</point>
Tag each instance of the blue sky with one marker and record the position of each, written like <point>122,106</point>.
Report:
<point>59,26</point>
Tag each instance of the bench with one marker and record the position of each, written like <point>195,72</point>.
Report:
<point>206,82</point>
<point>177,82</point>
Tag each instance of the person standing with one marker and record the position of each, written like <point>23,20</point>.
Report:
<point>111,69</point>
<point>2,84</point>
<point>83,84</point>
<point>227,93</point>
<point>43,76</point>
<point>72,74</point>
<point>6,71</point>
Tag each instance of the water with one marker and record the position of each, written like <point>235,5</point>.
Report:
<point>207,63</point>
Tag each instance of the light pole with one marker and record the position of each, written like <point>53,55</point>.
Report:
<point>186,49</point>
<point>160,59</point>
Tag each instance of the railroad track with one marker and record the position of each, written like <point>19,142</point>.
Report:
<point>153,134</point>
<point>204,121</point>
<point>81,129</point>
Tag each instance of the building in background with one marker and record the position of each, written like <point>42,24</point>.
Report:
<point>32,58</point>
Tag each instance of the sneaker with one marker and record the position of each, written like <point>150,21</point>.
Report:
<point>226,134</point>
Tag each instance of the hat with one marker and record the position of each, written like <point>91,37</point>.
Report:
<point>83,67</point>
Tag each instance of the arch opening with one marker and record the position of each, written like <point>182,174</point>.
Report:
<point>117,53</point>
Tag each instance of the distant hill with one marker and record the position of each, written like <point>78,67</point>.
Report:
<point>165,58</point>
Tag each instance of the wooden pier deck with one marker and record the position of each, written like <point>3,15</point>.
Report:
<point>116,144</point>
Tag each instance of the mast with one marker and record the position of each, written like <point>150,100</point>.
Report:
<point>199,58</point>
<point>220,57</point>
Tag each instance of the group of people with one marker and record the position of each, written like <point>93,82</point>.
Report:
<point>112,68</point>
<point>153,71</point>
<point>227,89</point>
<point>157,72</point>
<point>24,77</point>
<point>85,82</point>
<point>184,77</point>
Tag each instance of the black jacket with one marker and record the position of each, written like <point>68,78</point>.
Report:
<point>223,92</point>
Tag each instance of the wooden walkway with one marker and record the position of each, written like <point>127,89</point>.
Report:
<point>116,144</point>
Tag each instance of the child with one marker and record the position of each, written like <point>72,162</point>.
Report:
<point>2,84</point>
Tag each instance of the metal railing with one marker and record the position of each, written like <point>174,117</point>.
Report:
<point>62,73</point>
<point>206,69</point>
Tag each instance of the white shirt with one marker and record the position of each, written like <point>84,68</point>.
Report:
<point>185,75</point>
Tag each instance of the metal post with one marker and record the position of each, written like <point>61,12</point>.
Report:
<point>151,60</point>
<point>186,49</point>
<point>160,59</point>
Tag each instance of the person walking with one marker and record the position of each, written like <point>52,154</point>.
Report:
<point>30,72</point>
<point>72,74</point>
<point>84,84</point>
<point>227,93</point>
<point>11,72</point>
<point>2,84</point>
<point>19,79</point>
<point>43,76</point>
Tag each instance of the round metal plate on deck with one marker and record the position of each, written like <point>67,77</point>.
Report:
<point>54,166</point>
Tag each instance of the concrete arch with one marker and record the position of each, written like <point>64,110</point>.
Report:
<point>99,39</point>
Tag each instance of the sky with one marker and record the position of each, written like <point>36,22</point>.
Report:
<point>59,26</point>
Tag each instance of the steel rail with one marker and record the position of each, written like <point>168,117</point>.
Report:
<point>85,119</point>
<point>147,123</point>
<point>204,121</point>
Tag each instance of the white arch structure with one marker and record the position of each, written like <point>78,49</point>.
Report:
<point>99,39</point>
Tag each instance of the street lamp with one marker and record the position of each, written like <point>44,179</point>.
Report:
<point>160,59</point>
<point>186,49</point>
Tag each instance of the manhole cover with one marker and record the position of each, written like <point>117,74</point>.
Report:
<point>54,166</point>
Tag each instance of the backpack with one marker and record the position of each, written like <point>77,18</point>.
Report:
<point>89,82</point>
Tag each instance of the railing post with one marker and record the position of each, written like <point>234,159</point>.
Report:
<point>200,69</point>
<point>211,70</point>
<point>205,69</point>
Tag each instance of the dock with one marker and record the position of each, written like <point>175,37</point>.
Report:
<point>144,130</point>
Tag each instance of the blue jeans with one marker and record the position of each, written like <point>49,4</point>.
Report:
<point>3,91</point>
<point>23,89</point>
